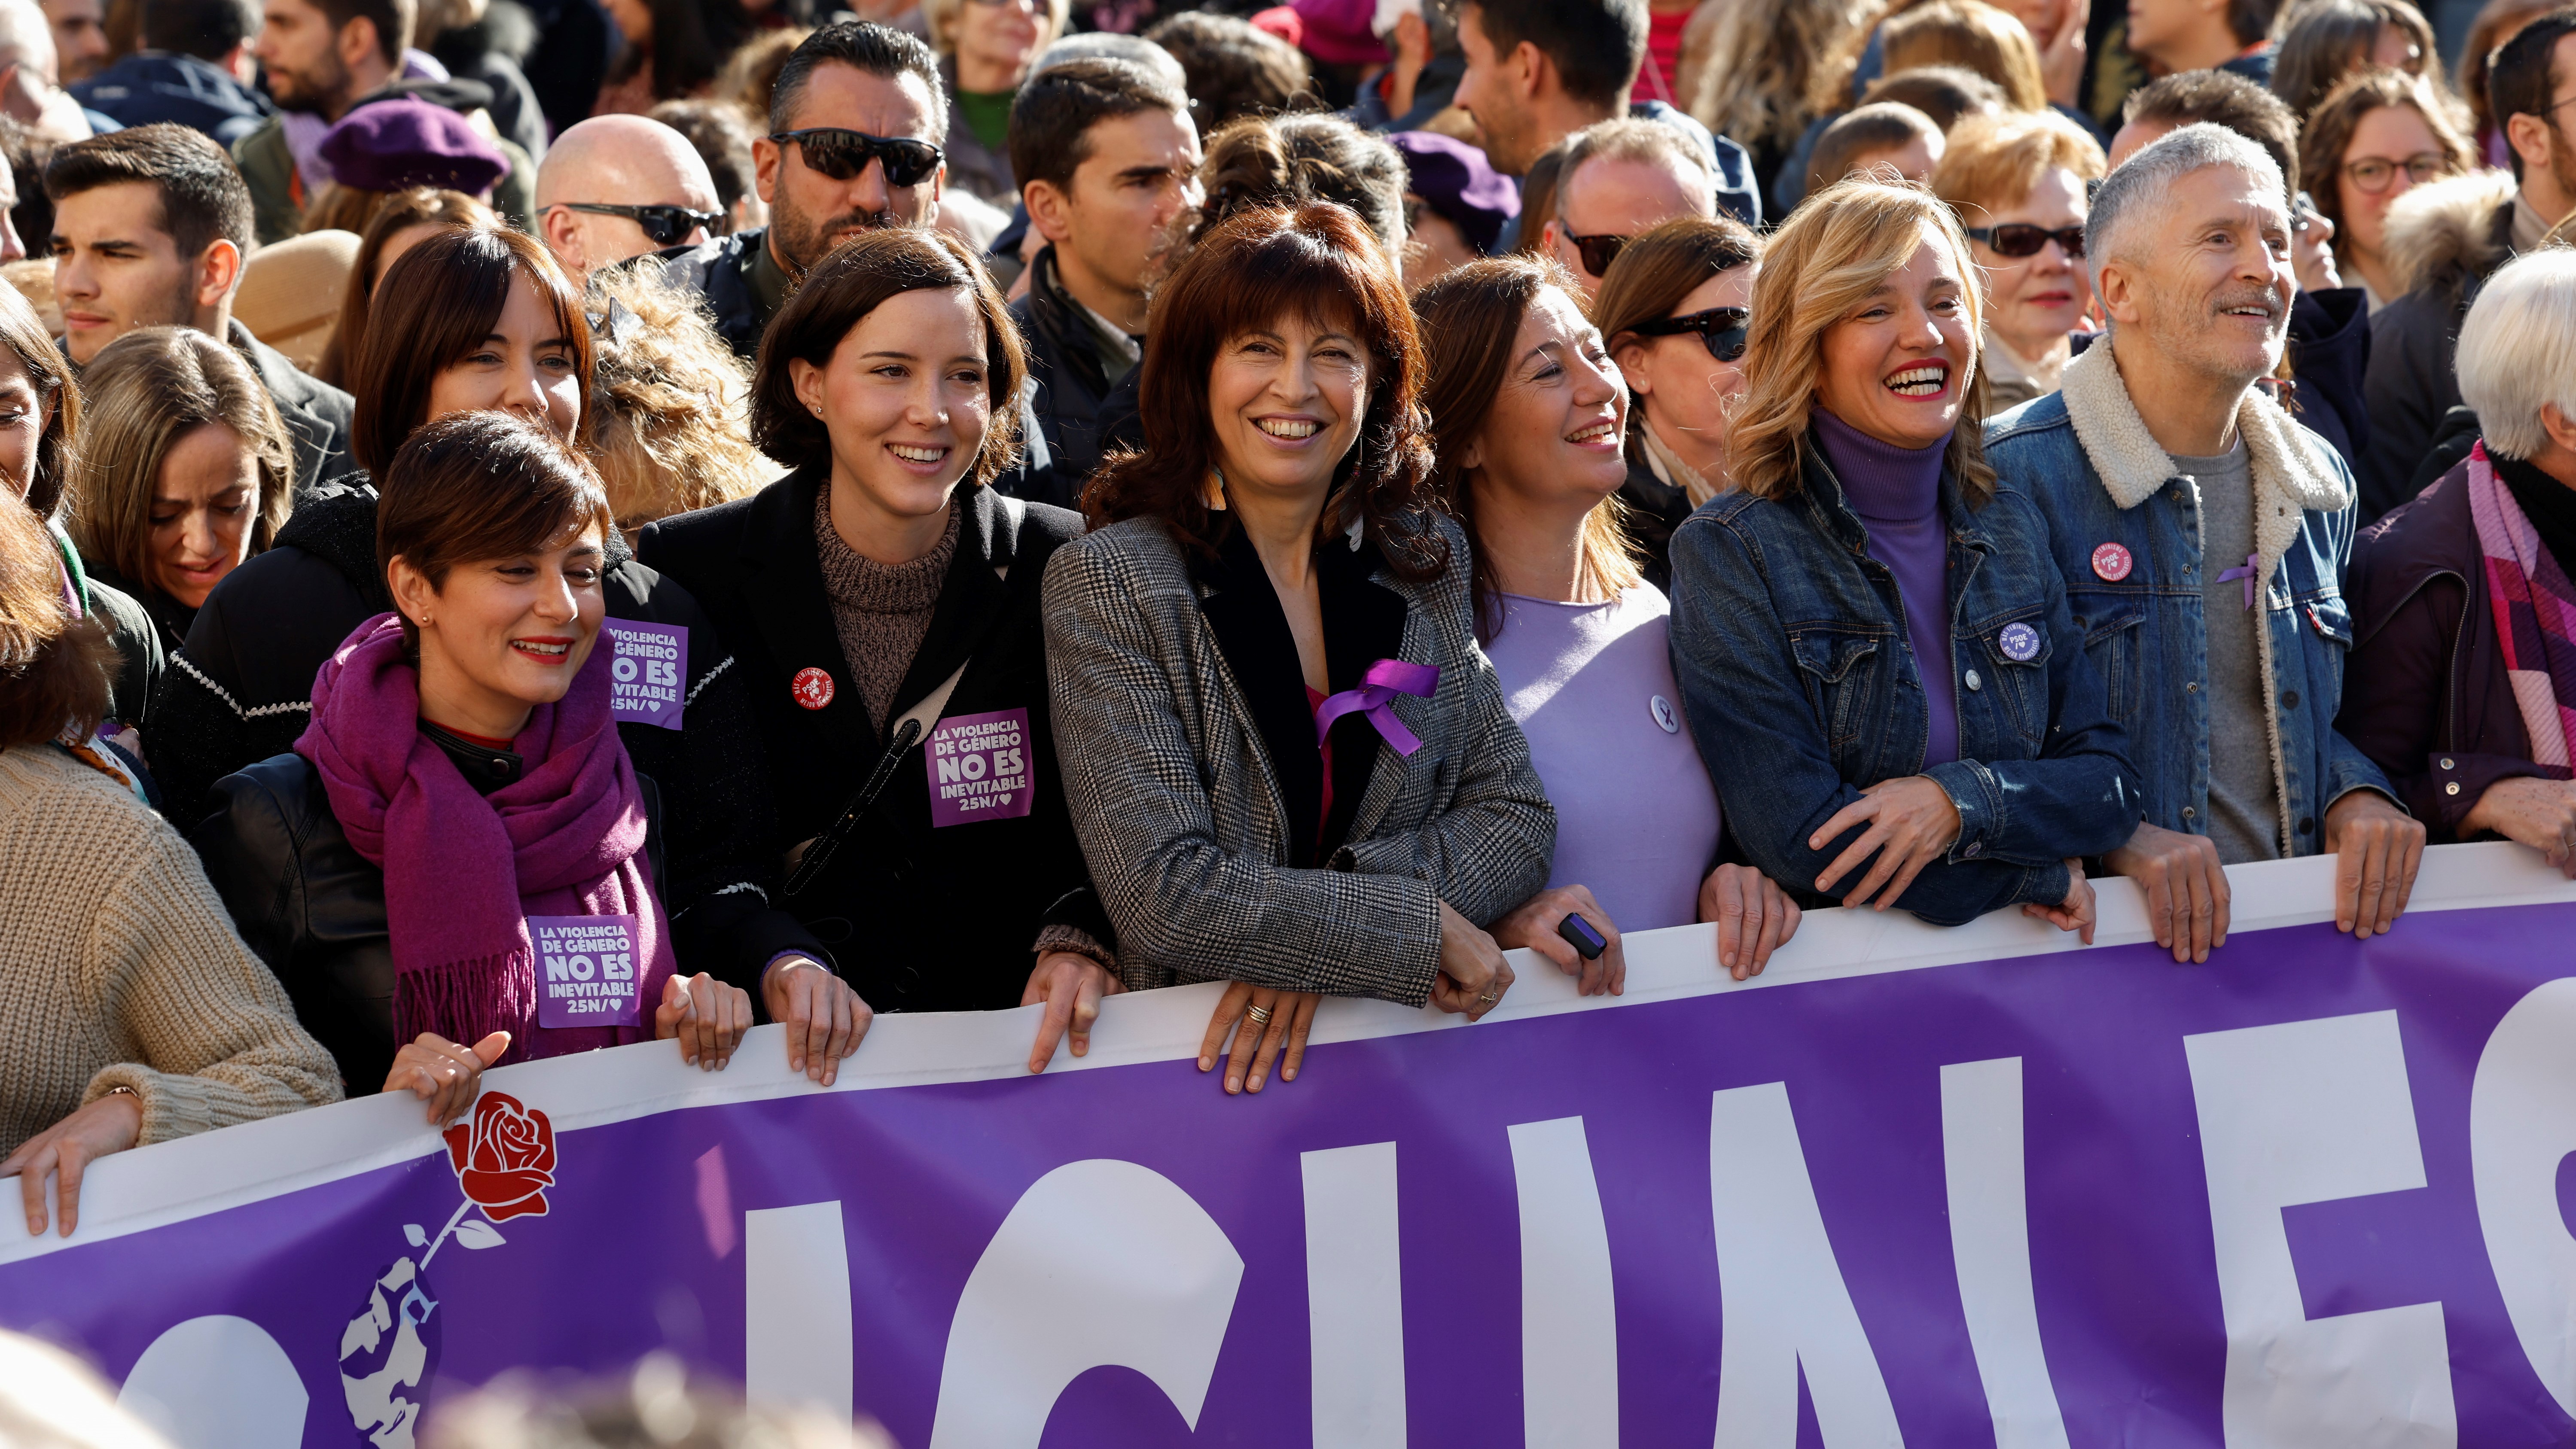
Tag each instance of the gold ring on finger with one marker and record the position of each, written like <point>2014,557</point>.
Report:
<point>1259,1014</point>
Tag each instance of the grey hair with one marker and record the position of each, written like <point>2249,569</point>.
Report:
<point>2518,350</point>
<point>2142,187</point>
<point>1103,45</point>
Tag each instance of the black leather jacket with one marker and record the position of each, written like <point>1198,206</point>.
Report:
<point>311,907</point>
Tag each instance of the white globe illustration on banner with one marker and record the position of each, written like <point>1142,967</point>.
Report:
<point>218,1382</point>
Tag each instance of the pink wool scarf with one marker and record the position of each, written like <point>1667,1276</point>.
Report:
<point>463,871</point>
<point>2535,614</point>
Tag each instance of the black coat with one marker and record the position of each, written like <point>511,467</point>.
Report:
<point>316,414</point>
<point>313,909</point>
<point>241,692</point>
<point>1071,384</point>
<point>921,918</point>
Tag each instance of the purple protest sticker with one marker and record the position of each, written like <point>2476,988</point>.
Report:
<point>585,970</point>
<point>979,768</point>
<point>648,671</point>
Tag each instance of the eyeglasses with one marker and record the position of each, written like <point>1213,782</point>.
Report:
<point>842,154</point>
<point>1723,329</point>
<point>664,226</point>
<point>1599,252</point>
<point>2374,173</point>
<point>2021,239</point>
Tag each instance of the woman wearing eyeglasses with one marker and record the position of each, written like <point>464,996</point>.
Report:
<point>2377,136</point>
<point>1527,411</point>
<point>1674,308</point>
<point>2017,181</point>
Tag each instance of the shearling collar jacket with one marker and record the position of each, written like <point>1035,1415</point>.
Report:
<point>2444,239</point>
<point>2124,526</point>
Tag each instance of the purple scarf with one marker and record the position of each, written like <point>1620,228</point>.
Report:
<point>463,872</point>
<point>2535,614</point>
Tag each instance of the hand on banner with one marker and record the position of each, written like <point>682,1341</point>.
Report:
<point>444,1074</point>
<point>1533,924</point>
<point>825,1019</point>
<point>65,1150</point>
<point>2075,913</point>
<point>1912,823</point>
<point>2187,896</point>
<point>2538,813</point>
<point>1473,974</point>
<point>1269,1020</point>
<point>1071,985</point>
<point>707,1016</point>
<point>1754,917</point>
<point>2377,849</point>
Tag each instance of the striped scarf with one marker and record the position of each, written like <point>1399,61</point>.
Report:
<point>2535,614</point>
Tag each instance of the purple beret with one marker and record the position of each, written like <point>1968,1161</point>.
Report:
<point>1456,181</point>
<point>403,142</point>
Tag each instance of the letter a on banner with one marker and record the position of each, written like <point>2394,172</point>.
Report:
<point>1780,1290</point>
<point>2302,1112</point>
<point>1100,1263</point>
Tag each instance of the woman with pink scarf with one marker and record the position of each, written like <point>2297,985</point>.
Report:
<point>459,856</point>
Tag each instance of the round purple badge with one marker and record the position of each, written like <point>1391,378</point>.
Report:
<point>2020,643</point>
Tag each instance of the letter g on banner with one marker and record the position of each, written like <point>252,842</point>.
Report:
<point>2522,1123</point>
<point>1100,1262</point>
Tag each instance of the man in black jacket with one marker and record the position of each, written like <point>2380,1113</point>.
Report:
<point>150,228</point>
<point>1106,158</point>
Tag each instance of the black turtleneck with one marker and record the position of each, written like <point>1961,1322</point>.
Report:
<point>2548,503</point>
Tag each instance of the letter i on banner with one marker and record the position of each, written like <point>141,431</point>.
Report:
<point>1569,1317</point>
<point>1983,1165</point>
<point>1355,1297</point>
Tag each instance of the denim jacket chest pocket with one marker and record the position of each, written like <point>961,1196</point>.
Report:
<point>1843,679</point>
<point>2011,653</point>
<point>2326,612</point>
<point>2114,626</point>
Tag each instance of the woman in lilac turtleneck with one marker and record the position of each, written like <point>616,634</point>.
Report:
<point>1873,648</point>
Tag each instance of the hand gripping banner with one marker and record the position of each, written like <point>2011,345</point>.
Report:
<point>1910,1186</point>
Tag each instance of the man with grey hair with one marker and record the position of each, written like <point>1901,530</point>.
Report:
<point>2202,534</point>
<point>1619,179</point>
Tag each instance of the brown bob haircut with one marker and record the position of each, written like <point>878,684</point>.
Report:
<point>2329,134</point>
<point>1470,317</point>
<point>479,486</point>
<point>432,308</point>
<point>147,390</point>
<point>47,371</point>
<point>54,669</point>
<point>420,206</point>
<point>859,276</point>
<point>1653,274</point>
<point>1263,265</point>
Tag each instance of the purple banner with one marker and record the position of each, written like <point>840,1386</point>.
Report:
<point>1939,1188</point>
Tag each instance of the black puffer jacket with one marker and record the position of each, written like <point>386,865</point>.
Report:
<point>2447,238</point>
<point>312,908</point>
<point>241,692</point>
<point>1072,387</point>
<point>923,917</point>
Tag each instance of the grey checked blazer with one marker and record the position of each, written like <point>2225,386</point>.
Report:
<point>1180,814</point>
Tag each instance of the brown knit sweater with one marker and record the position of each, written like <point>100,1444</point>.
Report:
<point>119,967</point>
<point>881,611</point>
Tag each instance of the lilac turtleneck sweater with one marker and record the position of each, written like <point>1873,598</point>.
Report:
<point>1897,493</point>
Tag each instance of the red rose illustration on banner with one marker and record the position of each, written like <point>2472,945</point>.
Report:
<point>504,1157</point>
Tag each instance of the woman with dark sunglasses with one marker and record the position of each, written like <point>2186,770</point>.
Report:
<point>2017,182</point>
<point>1527,410</point>
<point>1674,308</point>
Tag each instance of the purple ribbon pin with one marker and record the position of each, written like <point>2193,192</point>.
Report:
<point>1375,698</point>
<point>2253,561</point>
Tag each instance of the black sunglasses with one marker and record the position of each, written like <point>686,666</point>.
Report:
<point>842,154</point>
<point>1598,252</point>
<point>2021,239</point>
<point>664,226</point>
<point>1723,329</point>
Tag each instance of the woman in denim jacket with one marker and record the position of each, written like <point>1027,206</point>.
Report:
<point>1874,652</point>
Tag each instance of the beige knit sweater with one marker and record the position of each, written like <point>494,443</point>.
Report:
<point>119,967</point>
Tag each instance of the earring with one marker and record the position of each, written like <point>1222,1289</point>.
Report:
<point>1215,496</point>
<point>815,408</point>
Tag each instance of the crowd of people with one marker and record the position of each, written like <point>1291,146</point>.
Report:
<point>953,512</point>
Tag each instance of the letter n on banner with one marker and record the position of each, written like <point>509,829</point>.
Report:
<point>1569,1314</point>
<point>2302,1112</point>
<point>1781,1291</point>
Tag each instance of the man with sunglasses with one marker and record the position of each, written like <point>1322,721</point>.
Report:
<point>615,187</point>
<point>1618,180</point>
<point>856,125</point>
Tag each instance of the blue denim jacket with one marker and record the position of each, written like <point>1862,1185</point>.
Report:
<point>1789,643</point>
<point>2085,456</point>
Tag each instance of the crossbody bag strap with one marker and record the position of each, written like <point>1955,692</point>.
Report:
<point>909,728</point>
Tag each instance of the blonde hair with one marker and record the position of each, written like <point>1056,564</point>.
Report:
<point>942,17</point>
<point>1823,262</point>
<point>1972,34</point>
<point>668,403</point>
<point>146,390</point>
<point>1994,161</point>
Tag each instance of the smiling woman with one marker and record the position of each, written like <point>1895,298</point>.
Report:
<point>1874,649</point>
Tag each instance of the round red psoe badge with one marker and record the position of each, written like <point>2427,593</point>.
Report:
<point>2111,563</point>
<point>812,688</point>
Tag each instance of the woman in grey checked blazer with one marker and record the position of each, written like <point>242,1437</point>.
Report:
<point>1289,763</point>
